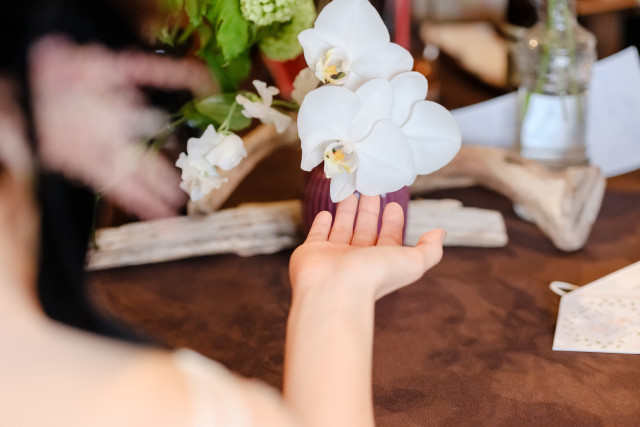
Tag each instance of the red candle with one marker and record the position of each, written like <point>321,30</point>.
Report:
<point>403,23</point>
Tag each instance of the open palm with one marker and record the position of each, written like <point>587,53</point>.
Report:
<point>339,253</point>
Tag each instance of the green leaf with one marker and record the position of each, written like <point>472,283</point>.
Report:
<point>195,10</point>
<point>217,107</point>
<point>171,5</point>
<point>229,74</point>
<point>238,69</point>
<point>231,29</point>
<point>165,36</point>
<point>194,118</point>
<point>204,36</point>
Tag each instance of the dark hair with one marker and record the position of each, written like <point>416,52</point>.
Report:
<point>67,209</point>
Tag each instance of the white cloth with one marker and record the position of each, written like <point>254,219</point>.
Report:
<point>216,396</point>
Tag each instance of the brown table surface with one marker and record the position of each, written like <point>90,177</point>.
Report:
<point>468,344</point>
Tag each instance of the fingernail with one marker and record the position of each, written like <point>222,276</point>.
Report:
<point>444,235</point>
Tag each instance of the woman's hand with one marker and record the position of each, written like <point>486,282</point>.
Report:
<point>341,255</point>
<point>91,118</point>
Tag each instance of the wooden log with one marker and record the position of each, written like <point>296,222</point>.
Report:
<point>465,226</point>
<point>262,228</point>
<point>246,230</point>
<point>563,204</point>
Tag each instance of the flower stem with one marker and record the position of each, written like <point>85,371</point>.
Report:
<point>156,141</point>
<point>225,125</point>
<point>289,105</point>
<point>571,47</point>
<point>545,58</point>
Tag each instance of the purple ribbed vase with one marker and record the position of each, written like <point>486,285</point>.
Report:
<point>317,198</point>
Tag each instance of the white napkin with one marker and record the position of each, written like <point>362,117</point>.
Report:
<point>613,128</point>
<point>602,316</point>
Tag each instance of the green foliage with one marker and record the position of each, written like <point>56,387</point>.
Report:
<point>229,74</point>
<point>193,117</point>
<point>195,10</point>
<point>171,5</point>
<point>215,109</point>
<point>225,38</point>
<point>280,41</point>
<point>266,12</point>
<point>230,28</point>
<point>219,108</point>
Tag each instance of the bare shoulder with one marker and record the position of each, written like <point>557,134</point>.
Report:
<point>60,376</point>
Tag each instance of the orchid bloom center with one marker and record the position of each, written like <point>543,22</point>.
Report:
<point>339,157</point>
<point>333,67</point>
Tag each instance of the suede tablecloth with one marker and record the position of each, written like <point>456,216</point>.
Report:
<point>469,344</point>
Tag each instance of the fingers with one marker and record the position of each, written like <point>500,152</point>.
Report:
<point>161,179</point>
<point>163,72</point>
<point>319,231</point>
<point>430,246</point>
<point>342,229</point>
<point>366,230</point>
<point>143,122</point>
<point>134,197</point>
<point>392,226</point>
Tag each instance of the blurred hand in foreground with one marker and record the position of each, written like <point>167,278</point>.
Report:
<point>91,117</point>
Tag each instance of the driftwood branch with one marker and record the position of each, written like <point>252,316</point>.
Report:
<point>262,228</point>
<point>465,226</point>
<point>563,204</point>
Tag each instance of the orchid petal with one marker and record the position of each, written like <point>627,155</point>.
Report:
<point>356,22</point>
<point>384,160</point>
<point>376,102</point>
<point>265,92</point>
<point>325,116</point>
<point>433,136</point>
<point>183,163</point>
<point>280,120</point>
<point>201,146</point>
<point>312,157</point>
<point>199,187</point>
<point>199,177</point>
<point>210,135</point>
<point>201,166</point>
<point>314,46</point>
<point>251,110</point>
<point>304,83</point>
<point>383,63</point>
<point>228,153</point>
<point>408,89</point>
<point>342,186</point>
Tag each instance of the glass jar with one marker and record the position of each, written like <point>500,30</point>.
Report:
<point>520,16</point>
<point>555,62</point>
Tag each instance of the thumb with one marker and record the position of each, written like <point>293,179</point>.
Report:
<point>430,246</point>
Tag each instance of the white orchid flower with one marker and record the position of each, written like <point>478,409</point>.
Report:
<point>377,139</point>
<point>350,44</point>
<point>262,109</point>
<point>199,174</point>
<point>197,183</point>
<point>362,149</point>
<point>228,151</point>
<point>430,129</point>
